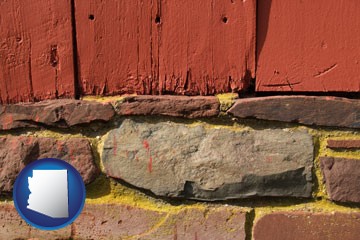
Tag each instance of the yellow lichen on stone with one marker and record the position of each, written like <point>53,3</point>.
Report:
<point>104,190</point>
<point>105,99</point>
<point>340,153</point>
<point>226,100</point>
<point>320,150</point>
<point>56,135</point>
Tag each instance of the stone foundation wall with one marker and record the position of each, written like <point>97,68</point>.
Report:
<point>176,167</point>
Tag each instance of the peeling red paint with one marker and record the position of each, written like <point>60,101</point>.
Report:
<point>150,164</point>
<point>147,147</point>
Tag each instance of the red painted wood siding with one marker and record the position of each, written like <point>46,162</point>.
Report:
<point>165,46</point>
<point>206,47</point>
<point>186,47</point>
<point>36,54</point>
<point>307,45</point>
<point>115,42</point>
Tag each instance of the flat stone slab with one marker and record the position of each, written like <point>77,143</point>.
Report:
<point>120,221</point>
<point>12,226</point>
<point>18,151</point>
<point>176,106</point>
<point>57,113</point>
<point>342,178</point>
<point>301,225</point>
<point>117,221</point>
<point>343,144</point>
<point>196,162</point>
<point>322,111</point>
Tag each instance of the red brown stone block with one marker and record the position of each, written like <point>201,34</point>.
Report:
<point>116,221</point>
<point>176,106</point>
<point>308,226</point>
<point>226,223</point>
<point>308,110</point>
<point>342,178</point>
<point>343,144</point>
<point>120,221</point>
<point>58,113</point>
<point>17,151</point>
<point>12,226</point>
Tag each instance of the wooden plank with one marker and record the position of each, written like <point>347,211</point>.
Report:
<point>114,46</point>
<point>206,47</point>
<point>165,47</point>
<point>36,54</point>
<point>306,45</point>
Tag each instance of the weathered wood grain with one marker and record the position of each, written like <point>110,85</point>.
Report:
<point>165,47</point>
<point>206,47</point>
<point>308,46</point>
<point>36,54</point>
<point>114,40</point>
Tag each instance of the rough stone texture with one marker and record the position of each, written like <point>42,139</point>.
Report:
<point>343,144</point>
<point>17,152</point>
<point>224,223</point>
<point>307,226</point>
<point>59,113</point>
<point>12,226</point>
<point>325,111</point>
<point>176,106</point>
<point>179,160</point>
<point>342,178</point>
<point>115,221</point>
<point>119,221</point>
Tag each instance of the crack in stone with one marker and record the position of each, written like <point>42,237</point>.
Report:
<point>152,229</point>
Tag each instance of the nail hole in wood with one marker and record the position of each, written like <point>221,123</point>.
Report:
<point>225,19</point>
<point>157,20</point>
<point>91,17</point>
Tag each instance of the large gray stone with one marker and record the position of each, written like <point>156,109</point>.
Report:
<point>196,162</point>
